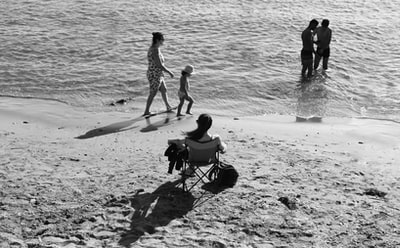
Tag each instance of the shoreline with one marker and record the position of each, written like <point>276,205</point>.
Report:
<point>72,178</point>
<point>14,103</point>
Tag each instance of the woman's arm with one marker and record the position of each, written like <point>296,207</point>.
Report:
<point>159,62</point>
<point>222,145</point>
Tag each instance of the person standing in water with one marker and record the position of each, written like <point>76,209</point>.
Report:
<point>308,48</point>
<point>183,92</point>
<point>324,36</point>
<point>155,72</point>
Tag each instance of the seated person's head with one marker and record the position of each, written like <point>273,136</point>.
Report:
<point>204,123</point>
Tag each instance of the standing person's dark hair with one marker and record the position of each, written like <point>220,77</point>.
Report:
<point>313,23</point>
<point>308,48</point>
<point>324,36</point>
<point>155,72</point>
<point>325,23</point>
<point>204,123</point>
<point>157,36</point>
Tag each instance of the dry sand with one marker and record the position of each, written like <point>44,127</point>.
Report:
<point>81,179</point>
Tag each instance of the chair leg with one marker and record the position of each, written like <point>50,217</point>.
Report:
<point>201,175</point>
<point>184,178</point>
<point>185,185</point>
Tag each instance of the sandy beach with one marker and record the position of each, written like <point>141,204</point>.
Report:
<point>70,178</point>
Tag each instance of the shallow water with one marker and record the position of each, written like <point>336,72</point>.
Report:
<point>246,54</point>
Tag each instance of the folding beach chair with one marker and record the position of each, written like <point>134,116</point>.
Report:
<point>202,158</point>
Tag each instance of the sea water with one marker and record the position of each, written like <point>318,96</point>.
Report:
<point>89,53</point>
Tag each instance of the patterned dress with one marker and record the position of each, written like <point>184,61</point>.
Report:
<point>155,74</point>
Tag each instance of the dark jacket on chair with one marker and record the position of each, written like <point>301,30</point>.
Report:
<point>175,157</point>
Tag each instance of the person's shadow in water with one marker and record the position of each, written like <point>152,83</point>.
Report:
<point>166,203</point>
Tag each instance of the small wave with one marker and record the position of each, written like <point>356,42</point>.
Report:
<point>34,97</point>
<point>377,119</point>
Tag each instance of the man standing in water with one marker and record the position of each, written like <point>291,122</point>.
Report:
<point>324,35</point>
<point>308,48</point>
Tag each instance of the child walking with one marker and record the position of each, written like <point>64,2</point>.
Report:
<point>183,92</point>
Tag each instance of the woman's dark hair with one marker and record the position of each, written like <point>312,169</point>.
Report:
<point>313,21</point>
<point>184,73</point>
<point>157,36</point>
<point>204,123</point>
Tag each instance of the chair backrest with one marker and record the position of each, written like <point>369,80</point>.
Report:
<point>202,153</point>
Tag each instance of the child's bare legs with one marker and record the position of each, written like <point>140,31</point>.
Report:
<point>182,101</point>
<point>189,107</point>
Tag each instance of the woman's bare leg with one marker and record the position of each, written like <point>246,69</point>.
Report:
<point>163,90</point>
<point>189,107</point>
<point>149,102</point>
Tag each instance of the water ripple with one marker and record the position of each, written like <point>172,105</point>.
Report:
<point>246,53</point>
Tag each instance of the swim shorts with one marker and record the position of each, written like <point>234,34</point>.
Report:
<point>182,94</point>
<point>323,52</point>
<point>306,55</point>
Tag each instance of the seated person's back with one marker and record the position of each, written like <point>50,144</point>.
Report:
<point>200,134</point>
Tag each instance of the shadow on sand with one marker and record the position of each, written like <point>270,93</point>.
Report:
<point>112,128</point>
<point>153,126</point>
<point>156,209</point>
<point>128,125</point>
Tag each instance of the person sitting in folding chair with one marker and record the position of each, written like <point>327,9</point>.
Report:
<point>203,149</point>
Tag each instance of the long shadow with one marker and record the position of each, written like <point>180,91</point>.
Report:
<point>155,209</point>
<point>112,128</point>
<point>155,125</point>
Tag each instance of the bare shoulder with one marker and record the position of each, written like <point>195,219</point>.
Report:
<point>221,144</point>
<point>216,136</point>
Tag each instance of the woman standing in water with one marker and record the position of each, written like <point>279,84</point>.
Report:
<point>155,72</point>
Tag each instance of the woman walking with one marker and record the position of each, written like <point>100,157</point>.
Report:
<point>155,72</point>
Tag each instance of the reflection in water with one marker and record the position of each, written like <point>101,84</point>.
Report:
<point>312,97</point>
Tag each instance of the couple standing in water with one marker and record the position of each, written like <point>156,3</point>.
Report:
<point>324,36</point>
<point>155,75</point>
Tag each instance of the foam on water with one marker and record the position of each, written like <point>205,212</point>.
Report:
<point>88,53</point>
